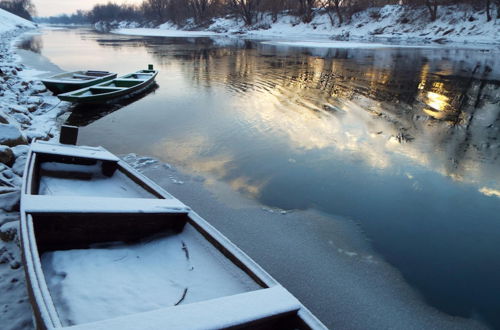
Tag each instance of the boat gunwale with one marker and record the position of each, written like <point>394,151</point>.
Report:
<point>45,314</point>
<point>57,79</point>
<point>65,85</point>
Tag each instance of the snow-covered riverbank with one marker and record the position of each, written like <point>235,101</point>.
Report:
<point>27,111</point>
<point>390,25</point>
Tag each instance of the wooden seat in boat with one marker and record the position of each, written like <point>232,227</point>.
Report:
<point>241,310</point>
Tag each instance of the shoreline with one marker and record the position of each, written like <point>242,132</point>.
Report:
<point>308,41</point>
<point>27,112</point>
<point>389,26</point>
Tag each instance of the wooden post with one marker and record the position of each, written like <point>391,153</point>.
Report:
<point>69,135</point>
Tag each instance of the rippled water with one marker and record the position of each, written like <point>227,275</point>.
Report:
<point>404,142</point>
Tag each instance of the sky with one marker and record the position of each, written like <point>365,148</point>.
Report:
<point>56,7</point>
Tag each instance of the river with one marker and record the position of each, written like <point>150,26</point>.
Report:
<point>403,143</point>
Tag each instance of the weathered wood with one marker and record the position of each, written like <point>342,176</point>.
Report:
<point>63,231</point>
<point>68,135</point>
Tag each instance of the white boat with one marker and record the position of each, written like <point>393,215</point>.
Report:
<point>106,248</point>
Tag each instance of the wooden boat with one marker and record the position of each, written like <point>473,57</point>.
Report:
<point>70,81</point>
<point>124,86</point>
<point>172,269</point>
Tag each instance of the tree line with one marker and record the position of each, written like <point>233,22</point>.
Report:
<point>22,8</point>
<point>201,12</point>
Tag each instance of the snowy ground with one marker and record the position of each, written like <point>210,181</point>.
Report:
<point>27,111</point>
<point>389,25</point>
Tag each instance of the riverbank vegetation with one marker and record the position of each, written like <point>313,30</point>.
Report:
<point>199,13</point>
<point>21,8</point>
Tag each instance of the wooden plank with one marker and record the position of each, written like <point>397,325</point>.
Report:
<point>73,151</point>
<point>232,311</point>
<point>79,204</point>
<point>129,79</point>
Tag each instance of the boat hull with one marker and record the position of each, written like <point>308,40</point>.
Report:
<point>105,94</point>
<point>58,86</point>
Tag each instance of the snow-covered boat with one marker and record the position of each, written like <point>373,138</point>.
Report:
<point>106,248</point>
<point>70,81</point>
<point>109,91</point>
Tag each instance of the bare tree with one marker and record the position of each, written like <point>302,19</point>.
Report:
<point>200,9</point>
<point>157,8</point>
<point>497,3</point>
<point>432,5</point>
<point>246,9</point>
<point>306,10</point>
<point>331,6</point>
<point>274,7</point>
<point>23,8</point>
<point>488,13</point>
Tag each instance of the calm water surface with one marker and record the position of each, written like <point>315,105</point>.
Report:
<point>405,142</point>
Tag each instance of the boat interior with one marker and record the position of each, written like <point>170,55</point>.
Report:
<point>142,74</point>
<point>82,75</point>
<point>102,267</point>
<point>122,83</point>
<point>116,85</point>
<point>94,91</point>
<point>112,246</point>
<point>59,175</point>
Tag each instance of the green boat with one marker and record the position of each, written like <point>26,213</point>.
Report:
<point>70,81</point>
<point>109,91</point>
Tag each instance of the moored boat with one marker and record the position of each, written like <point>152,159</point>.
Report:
<point>74,80</point>
<point>124,86</point>
<point>106,248</point>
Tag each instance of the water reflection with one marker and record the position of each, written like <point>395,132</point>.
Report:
<point>405,142</point>
<point>33,43</point>
<point>85,114</point>
<point>441,117</point>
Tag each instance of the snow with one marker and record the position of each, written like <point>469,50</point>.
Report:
<point>10,135</point>
<point>121,279</point>
<point>385,24</point>
<point>15,309</point>
<point>27,111</point>
<point>8,231</point>
<point>210,314</point>
<point>20,150</point>
<point>84,152</point>
<point>93,184</point>
<point>163,33</point>
<point>83,204</point>
<point>392,24</point>
<point>341,44</point>
<point>9,199</point>
<point>9,22</point>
